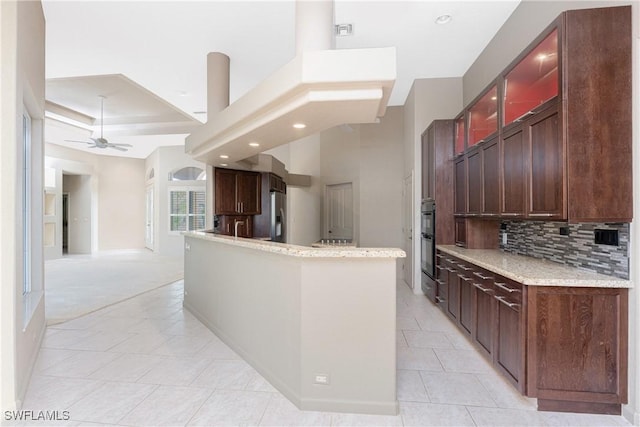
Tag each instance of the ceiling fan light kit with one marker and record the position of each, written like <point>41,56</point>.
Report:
<point>102,142</point>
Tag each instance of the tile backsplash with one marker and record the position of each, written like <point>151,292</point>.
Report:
<point>577,249</point>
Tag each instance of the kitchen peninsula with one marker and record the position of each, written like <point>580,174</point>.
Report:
<point>318,323</point>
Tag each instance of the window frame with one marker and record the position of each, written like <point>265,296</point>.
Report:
<point>171,215</point>
<point>27,193</point>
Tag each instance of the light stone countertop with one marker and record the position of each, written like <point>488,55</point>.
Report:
<point>299,251</point>
<point>533,271</point>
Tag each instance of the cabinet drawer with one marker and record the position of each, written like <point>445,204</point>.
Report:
<point>508,291</point>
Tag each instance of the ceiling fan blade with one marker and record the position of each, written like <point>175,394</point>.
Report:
<point>82,142</point>
<point>119,145</point>
<point>117,148</point>
<point>93,146</point>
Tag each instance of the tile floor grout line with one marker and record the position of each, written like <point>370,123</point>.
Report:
<point>58,321</point>
<point>139,403</point>
<point>201,405</point>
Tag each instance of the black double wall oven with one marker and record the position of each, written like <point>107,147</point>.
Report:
<point>428,248</point>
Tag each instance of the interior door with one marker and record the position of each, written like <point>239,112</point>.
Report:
<point>148,235</point>
<point>407,230</point>
<point>339,211</point>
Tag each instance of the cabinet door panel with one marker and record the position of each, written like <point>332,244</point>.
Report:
<point>249,193</point>
<point>546,196</point>
<point>460,186</point>
<point>474,182</point>
<point>578,343</point>
<point>466,303</point>
<point>453,300</point>
<point>484,318</point>
<point>509,351</point>
<point>428,163</point>
<point>225,200</point>
<point>491,178</point>
<point>513,174</point>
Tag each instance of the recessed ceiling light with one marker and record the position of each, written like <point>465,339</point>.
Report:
<point>299,125</point>
<point>223,164</point>
<point>443,19</point>
<point>254,144</point>
<point>224,156</point>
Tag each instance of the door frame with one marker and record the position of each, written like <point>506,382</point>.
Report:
<point>408,220</point>
<point>325,222</point>
<point>149,217</point>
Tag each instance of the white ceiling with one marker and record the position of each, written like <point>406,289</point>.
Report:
<point>162,45</point>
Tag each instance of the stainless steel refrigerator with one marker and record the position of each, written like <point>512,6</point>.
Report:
<point>278,217</point>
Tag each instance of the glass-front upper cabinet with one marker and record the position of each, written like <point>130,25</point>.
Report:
<point>459,136</point>
<point>483,116</point>
<point>533,81</point>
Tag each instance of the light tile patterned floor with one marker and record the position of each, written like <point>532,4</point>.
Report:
<point>147,362</point>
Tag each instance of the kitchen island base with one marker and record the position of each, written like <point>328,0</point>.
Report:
<point>318,324</point>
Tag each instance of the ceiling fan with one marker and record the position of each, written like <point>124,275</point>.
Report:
<point>102,142</point>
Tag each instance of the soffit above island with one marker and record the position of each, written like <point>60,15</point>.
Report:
<point>320,89</point>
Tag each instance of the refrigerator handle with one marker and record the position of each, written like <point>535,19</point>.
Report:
<point>283,221</point>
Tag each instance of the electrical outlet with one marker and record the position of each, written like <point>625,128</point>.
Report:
<point>322,379</point>
<point>504,238</point>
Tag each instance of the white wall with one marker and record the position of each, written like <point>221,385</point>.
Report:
<point>22,323</point>
<point>428,100</point>
<point>165,160</point>
<point>371,157</point>
<point>118,195</point>
<point>526,22</point>
<point>304,204</point>
<point>368,155</point>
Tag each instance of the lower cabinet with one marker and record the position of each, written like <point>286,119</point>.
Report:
<point>577,348</point>
<point>228,225</point>
<point>484,315</point>
<point>509,345</point>
<point>566,346</point>
<point>452,303</point>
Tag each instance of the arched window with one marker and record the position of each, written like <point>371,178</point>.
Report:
<point>189,173</point>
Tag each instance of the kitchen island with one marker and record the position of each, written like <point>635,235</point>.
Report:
<point>317,323</point>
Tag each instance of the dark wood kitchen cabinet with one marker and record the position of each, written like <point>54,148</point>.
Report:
<point>438,177</point>
<point>577,348</point>
<point>565,346</point>
<point>575,119</point>
<point>452,302</point>
<point>546,166</point>
<point>474,182</point>
<point>514,174</point>
<point>466,298</point>
<point>483,116</point>
<point>484,312</point>
<point>237,192</point>
<point>228,225</point>
<point>564,131</point>
<point>534,183</point>
<point>225,200</point>
<point>509,342</point>
<point>460,185</point>
<point>491,178</point>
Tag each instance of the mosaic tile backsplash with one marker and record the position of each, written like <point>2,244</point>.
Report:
<point>543,240</point>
